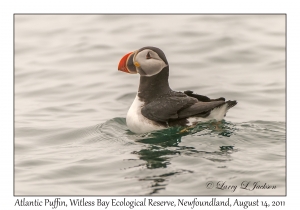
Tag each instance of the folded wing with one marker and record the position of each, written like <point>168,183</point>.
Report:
<point>178,107</point>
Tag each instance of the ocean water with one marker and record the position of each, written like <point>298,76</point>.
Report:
<point>71,102</point>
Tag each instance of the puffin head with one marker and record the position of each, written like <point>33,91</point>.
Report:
<point>147,61</point>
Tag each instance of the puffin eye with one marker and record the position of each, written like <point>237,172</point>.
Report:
<point>148,56</point>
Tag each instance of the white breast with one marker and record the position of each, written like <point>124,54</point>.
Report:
<point>136,122</point>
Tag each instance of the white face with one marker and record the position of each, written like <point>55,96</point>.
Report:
<point>148,63</point>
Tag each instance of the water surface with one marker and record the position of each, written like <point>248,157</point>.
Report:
<point>71,102</point>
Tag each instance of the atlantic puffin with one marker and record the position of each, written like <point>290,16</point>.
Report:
<point>156,106</point>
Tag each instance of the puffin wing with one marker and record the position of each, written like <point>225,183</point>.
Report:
<point>172,108</point>
<point>201,97</point>
<point>165,109</point>
<point>200,109</point>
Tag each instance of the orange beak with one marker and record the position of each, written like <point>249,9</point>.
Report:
<point>123,63</point>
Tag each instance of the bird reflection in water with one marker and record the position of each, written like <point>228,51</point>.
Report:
<point>163,145</point>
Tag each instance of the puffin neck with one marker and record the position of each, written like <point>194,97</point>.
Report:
<point>154,86</point>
